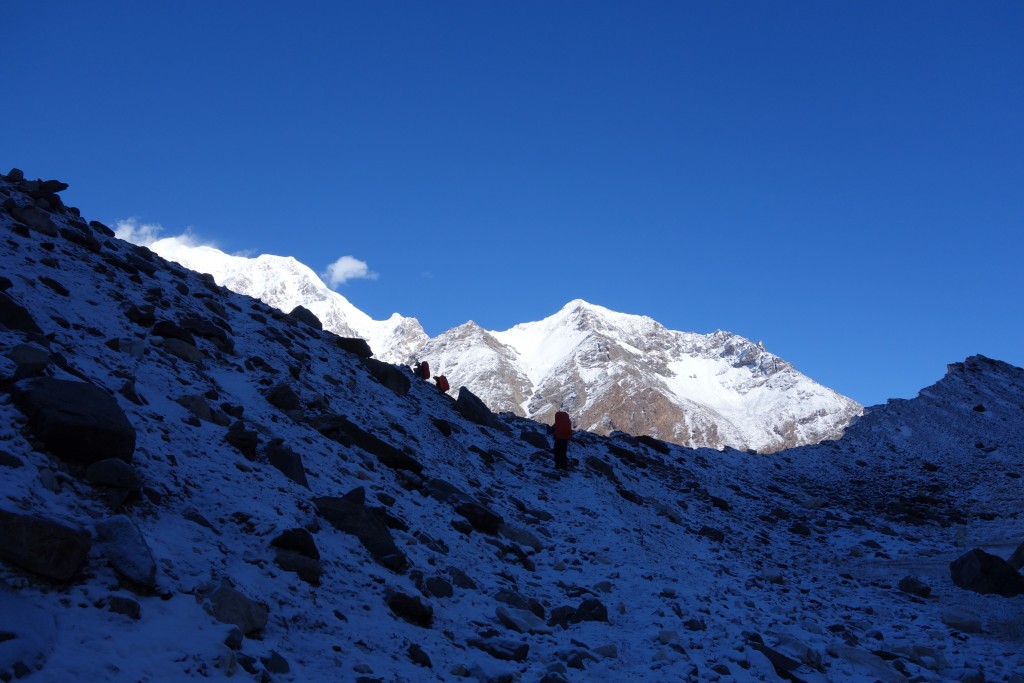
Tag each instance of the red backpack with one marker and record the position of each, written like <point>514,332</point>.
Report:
<point>442,383</point>
<point>425,370</point>
<point>563,426</point>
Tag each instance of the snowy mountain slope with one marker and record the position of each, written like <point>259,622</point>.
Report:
<point>284,283</point>
<point>611,371</point>
<point>955,446</point>
<point>646,562</point>
<point>617,372</point>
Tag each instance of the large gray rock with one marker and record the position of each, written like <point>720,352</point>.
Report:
<point>125,548</point>
<point>200,408</point>
<point>411,608</point>
<point>353,518</point>
<point>472,408</point>
<point>304,315</point>
<point>14,316</point>
<point>389,375</point>
<point>307,568</point>
<point>521,620</point>
<point>359,347</point>
<point>987,574</point>
<point>230,606</point>
<point>482,518</point>
<point>115,473</point>
<point>502,648</point>
<point>30,359</point>
<point>35,218</point>
<point>181,349</point>
<point>78,422</point>
<point>283,397</point>
<point>287,461</point>
<point>42,546</point>
<point>344,431</point>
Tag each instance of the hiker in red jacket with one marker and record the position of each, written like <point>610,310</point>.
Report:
<point>421,369</point>
<point>563,432</point>
<point>442,383</point>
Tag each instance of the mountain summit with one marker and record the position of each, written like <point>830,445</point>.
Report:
<point>617,372</point>
<point>610,371</point>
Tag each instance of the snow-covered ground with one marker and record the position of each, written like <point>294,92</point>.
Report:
<point>645,562</point>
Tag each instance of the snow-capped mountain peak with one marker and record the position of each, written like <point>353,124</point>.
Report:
<point>701,390</point>
<point>611,371</point>
<point>284,283</point>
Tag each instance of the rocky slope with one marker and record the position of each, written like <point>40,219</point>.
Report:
<point>610,371</point>
<point>194,485</point>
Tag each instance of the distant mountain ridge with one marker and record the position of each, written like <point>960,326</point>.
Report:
<point>611,371</point>
<point>618,372</point>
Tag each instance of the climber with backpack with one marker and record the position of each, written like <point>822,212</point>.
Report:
<point>421,369</point>
<point>562,433</point>
<point>442,383</point>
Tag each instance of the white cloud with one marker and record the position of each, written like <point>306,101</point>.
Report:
<point>149,235</point>
<point>347,268</point>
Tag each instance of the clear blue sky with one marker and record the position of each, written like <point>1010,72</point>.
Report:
<point>841,180</point>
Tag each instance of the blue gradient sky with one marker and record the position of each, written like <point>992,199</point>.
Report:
<point>841,180</point>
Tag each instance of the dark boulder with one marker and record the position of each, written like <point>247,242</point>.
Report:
<point>275,663</point>
<point>443,426</point>
<point>354,345</point>
<point>307,568</point>
<point>480,517</point>
<point>981,572</point>
<point>502,648</point>
<point>81,238</point>
<point>43,546</point>
<point>217,334</point>
<point>363,523</point>
<point>535,439</point>
<point>245,440</point>
<point>411,609</point>
<point>230,606</point>
<point>36,219</point>
<point>473,409</point>
<point>172,330</point>
<point>115,473</point>
<point>201,409</point>
<point>590,609</point>
<point>914,586</point>
<point>656,444</point>
<point>418,656</point>
<point>126,606</point>
<point>306,316</point>
<point>125,548</point>
<point>8,460</point>
<point>14,316</point>
<point>344,431</point>
<point>78,422</point>
<point>296,552</point>
<point>31,360</point>
<point>298,540</point>
<point>283,397</point>
<point>389,375</point>
<point>287,461</point>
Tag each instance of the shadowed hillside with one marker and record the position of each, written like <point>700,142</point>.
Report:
<point>198,486</point>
